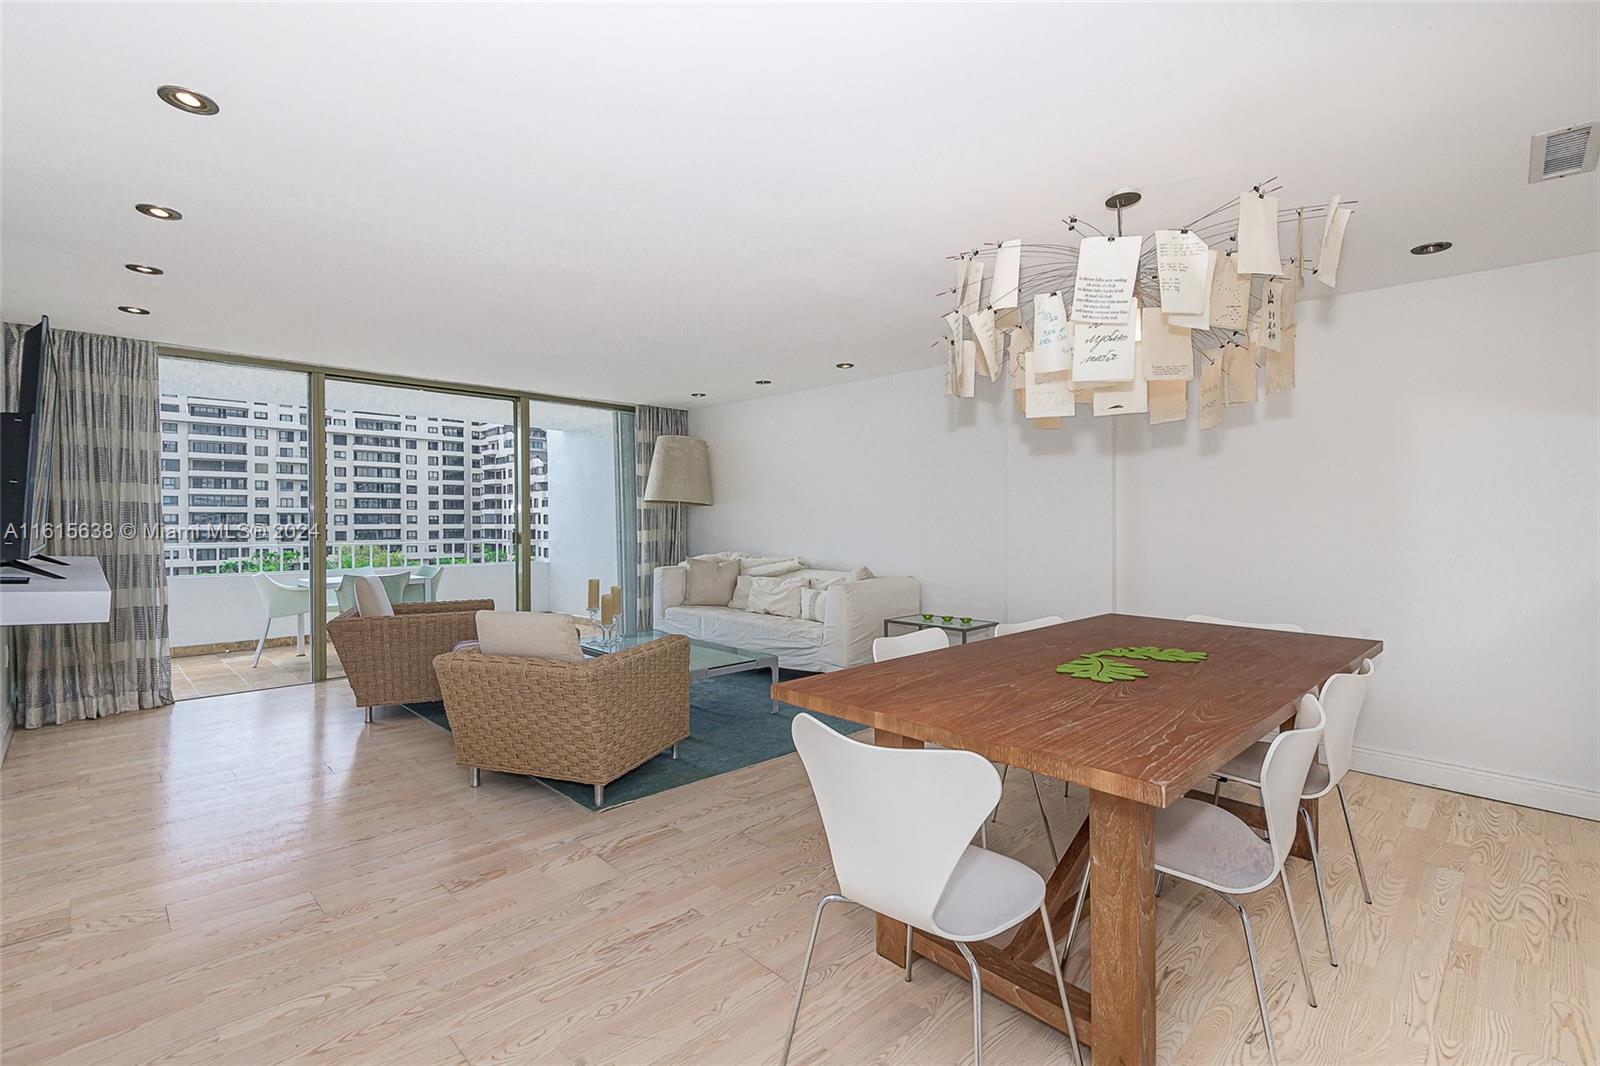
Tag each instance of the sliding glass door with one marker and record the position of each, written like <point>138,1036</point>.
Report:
<point>420,492</point>
<point>577,504</point>
<point>235,506</point>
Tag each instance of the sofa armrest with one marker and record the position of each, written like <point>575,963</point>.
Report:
<point>671,585</point>
<point>855,614</point>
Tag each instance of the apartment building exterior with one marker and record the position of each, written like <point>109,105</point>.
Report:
<point>236,488</point>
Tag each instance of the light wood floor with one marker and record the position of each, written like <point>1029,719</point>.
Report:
<point>261,878</point>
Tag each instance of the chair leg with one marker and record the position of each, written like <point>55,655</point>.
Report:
<point>1061,982</point>
<point>474,778</point>
<point>1294,928</point>
<point>977,1005</point>
<point>1322,897</point>
<point>1216,792</point>
<point>909,956</point>
<point>262,643</point>
<point>599,795</point>
<point>1077,913</point>
<point>1354,848</point>
<point>805,970</point>
<point>299,634</point>
<point>369,714</point>
<point>995,814</point>
<point>983,836</point>
<point>1055,856</point>
<point>1255,972</point>
<point>1161,880</point>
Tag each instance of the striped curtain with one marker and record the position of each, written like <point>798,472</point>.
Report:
<point>663,527</point>
<point>105,472</point>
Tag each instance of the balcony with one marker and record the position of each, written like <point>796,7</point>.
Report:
<point>216,619</point>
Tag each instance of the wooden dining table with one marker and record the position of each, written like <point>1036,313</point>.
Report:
<point>1137,745</point>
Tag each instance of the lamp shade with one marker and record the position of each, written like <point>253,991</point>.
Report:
<point>680,471</point>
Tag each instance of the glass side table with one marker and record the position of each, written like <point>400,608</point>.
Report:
<point>952,623</point>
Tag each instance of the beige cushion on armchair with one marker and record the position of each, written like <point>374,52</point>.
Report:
<point>529,635</point>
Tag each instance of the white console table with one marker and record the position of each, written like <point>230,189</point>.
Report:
<point>82,595</point>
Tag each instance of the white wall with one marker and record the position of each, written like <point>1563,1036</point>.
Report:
<point>1411,489</point>
<point>996,521</point>
<point>1433,481</point>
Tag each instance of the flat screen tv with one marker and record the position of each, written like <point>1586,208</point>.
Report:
<point>25,450</point>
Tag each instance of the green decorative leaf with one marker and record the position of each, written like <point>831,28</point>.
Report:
<point>1099,666</point>
<point>1093,668</point>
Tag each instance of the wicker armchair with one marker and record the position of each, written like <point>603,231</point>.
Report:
<point>589,722</point>
<point>390,660</point>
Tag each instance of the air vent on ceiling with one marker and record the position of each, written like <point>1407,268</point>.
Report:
<point>1559,153</point>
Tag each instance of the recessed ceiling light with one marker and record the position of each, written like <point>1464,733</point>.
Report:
<point>845,366</point>
<point>157,211</point>
<point>763,381</point>
<point>140,268</point>
<point>188,100</point>
<point>129,310</point>
<point>697,395</point>
<point>1432,248</point>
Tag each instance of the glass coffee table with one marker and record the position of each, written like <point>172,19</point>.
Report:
<point>706,658</point>
<point>948,622</point>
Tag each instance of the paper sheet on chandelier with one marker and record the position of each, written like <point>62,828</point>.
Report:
<point>1126,398</point>
<point>1327,270</point>
<point>1230,296</point>
<point>1107,270</point>
<point>1104,352</point>
<point>1239,374</point>
<point>1052,338</point>
<point>1258,235</point>
<point>967,370</point>
<point>1201,320</point>
<point>1168,401</point>
<point>1182,262</point>
<point>969,285</point>
<point>1280,365</point>
<point>1286,299</point>
<point>1210,416</point>
<point>983,331</point>
<point>1166,352</point>
<point>1006,289</point>
<point>1266,331</point>
<point>1017,367</point>
<point>1049,397</point>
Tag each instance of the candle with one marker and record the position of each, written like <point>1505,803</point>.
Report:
<point>594,594</point>
<point>616,598</point>
<point>608,609</point>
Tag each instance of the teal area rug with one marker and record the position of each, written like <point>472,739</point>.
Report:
<point>730,727</point>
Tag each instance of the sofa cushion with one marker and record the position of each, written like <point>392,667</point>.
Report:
<point>711,582</point>
<point>529,635</point>
<point>813,602</point>
<point>770,633</point>
<point>776,595</point>
<point>372,599</point>
<point>861,573</point>
<point>741,593</point>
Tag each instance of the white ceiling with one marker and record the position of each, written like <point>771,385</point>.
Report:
<point>634,203</point>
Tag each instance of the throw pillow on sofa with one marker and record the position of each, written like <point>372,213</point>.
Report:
<point>813,602</point>
<point>741,593</point>
<point>711,582</point>
<point>771,567</point>
<point>860,573</point>
<point>776,595</point>
<point>529,635</point>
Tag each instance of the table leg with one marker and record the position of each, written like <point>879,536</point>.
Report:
<point>774,682</point>
<point>1123,926</point>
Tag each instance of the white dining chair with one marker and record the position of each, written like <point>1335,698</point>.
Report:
<point>923,640</point>
<point>1208,846</point>
<point>281,601</point>
<point>394,583</point>
<point>899,822</point>
<point>1282,627</point>
<point>1005,629</point>
<point>344,593</point>
<point>1342,698</point>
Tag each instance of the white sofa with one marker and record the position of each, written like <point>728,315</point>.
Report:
<point>852,617</point>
